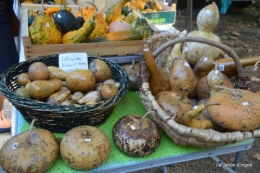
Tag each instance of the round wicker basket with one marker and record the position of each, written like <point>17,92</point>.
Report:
<point>161,44</point>
<point>60,118</point>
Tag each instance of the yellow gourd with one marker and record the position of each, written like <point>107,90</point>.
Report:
<point>44,31</point>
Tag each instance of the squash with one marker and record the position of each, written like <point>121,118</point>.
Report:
<point>81,35</point>
<point>66,21</point>
<point>52,10</point>
<point>239,109</point>
<point>114,13</point>
<point>207,20</point>
<point>119,25</point>
<point>101,26</point>
<point>44,31</point>
<point>156,80</point>
<point>131,17</point>
<point>87,12</point>
<point>142,26</point>
<point>117,36</point>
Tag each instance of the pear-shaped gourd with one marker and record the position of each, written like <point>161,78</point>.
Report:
<point>207,20</point>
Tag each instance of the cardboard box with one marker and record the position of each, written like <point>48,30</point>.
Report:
<point>92,49</point>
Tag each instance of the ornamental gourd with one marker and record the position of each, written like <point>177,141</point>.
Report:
<point>81,35</point>
<point>44,31</point>
<point>119,25</point>
<point>207,20</point>
<point>66,21</point>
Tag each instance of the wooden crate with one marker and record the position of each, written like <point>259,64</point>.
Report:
<point>92,49</point>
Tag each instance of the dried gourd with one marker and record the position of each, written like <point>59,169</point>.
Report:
<point>44,31</point>
<point>142,26</point>
<point>207,20</point>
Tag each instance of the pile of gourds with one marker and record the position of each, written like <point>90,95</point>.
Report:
<point>57,25</point>
<point>193,73</point>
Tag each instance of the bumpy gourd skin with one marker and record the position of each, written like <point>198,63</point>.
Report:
<point>101,26</point>
<point>44,31</point>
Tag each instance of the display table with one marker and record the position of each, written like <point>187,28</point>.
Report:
<point>167,152</point>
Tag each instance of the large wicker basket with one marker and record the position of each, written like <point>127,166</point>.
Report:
<point>161,44</point>
<point>60,118</point>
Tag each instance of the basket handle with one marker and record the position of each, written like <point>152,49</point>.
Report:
<point>243,81</point>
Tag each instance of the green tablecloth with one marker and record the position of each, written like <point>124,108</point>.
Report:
<point>130,104</point>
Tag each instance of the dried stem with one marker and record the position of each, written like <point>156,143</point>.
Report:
<point>140,122</point>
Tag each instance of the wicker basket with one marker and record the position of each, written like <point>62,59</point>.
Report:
<point>161,44</point>
<point>60,118</point>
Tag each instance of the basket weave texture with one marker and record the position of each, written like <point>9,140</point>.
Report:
<point>161,44</point>
<point>59,118</point>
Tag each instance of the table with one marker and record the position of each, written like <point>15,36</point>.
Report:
<point>167,152</point>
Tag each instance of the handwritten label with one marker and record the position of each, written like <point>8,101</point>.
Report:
<point>15,146</point>
<point>221,67</point>
<point>73,61</point>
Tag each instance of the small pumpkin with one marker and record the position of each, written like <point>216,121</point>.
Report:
<point>119,25</point>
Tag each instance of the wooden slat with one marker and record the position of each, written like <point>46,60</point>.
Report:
<point>93,49</point>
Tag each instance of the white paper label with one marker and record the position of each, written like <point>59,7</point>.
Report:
<point>216,71</point>
<point>47,24</point>
<point>73,61</point>
<point>87,140</point>
<point>186,64</point>
<point>15,145</point>
<point>205,59</point>
<point>195,107</point>
<point>132,127</point>
<point>221,67</point>
<point>245,103</point>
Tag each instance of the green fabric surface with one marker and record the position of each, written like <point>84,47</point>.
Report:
<point>130,104</point>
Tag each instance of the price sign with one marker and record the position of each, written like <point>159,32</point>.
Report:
<point>73,61</point>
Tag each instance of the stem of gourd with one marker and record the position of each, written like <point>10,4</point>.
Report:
<point>235,94</point>
<point>133,65</point>
<point>30,131</point>
<point>256,66</point>
<point>140,122</point>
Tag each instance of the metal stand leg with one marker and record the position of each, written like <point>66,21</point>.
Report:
<point>189,22</point>
<point>237,158</point>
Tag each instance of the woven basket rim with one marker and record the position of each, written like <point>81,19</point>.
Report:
<point>31,104</point>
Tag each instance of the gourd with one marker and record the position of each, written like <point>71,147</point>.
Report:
<point>66,21</point>
<point>174,53</point>
<point>156,80</point>
<point>228,66</point>
<point>142,26</point>
<point>113,13</point>
<point>131,17</point>
<point>44,31</point>
<point>119,25</point>
<point>181,77</point>
<point>203,66</point>
<point>239,109</point>
<point>117,36</point>
<point>207,20</point>
<point>81,35</point>
<point>101,26</point>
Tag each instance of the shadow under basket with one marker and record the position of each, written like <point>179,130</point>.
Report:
<point>60,118</point>
<point>161,44</point>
